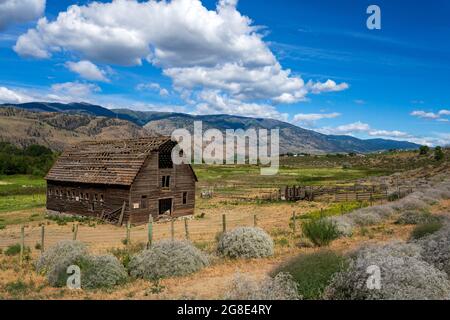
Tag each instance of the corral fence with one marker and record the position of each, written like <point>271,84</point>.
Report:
<point>102,237</point>
<point>345,193</point>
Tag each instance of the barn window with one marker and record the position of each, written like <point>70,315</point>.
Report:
<point>101,198</point>
<point>165,182</point>
<point>87,196</point>
<point>144,202</point>
<point>92,207</point>
<point>73,194</point>
<point>96,197</point>
<point>184,197</point>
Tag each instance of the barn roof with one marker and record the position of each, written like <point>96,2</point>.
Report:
<point>115,162</point>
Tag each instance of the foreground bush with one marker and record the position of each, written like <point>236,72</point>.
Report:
<point>55,261</point>
<point>320,231</point>
<point>410,203</point>
<point>404,276</point>
<point>245,242</point>
<point>343,224</point>
<point>436,249</point>
<point>167,258</point>
<point>101,272</point>
<point>415,217</point>
<point>426,229</point>
<point>281,287</point>
<point>313,272</point>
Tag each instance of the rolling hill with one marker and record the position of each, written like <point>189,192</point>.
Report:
<point>137,123</point>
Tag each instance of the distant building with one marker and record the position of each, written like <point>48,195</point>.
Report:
<point>120,181</point>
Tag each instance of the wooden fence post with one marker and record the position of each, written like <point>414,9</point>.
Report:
<point>255,221</point>
<point>128,233</point>
<point>294,218</point>
<point>75,231</point>
<point>224,223</point>
<point>186,229</point>
<point>150,231</point>
<point>42,238</point>
<point>22,243</point>
<point>172,229</point>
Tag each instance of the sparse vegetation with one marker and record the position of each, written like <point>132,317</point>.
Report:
<point>167,258</point>
<point>280,287</point>
<point>426,228</point>
<point>404,276</point>
<point>246,242</point>
<point>312,272</point>
<point>320,231</point>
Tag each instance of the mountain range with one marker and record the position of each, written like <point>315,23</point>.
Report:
<point>57,124</point>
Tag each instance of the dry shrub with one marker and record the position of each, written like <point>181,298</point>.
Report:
<point>365,217</point>
<point>415,217</point>
<point>96,271</point>
<point>404,276</point>
<point>344,225</point>
<point>102,272</point>
<point>281,287</point>
<point>55,261</point>
<point>410,203</point>
<point>167,258</point>
<point>245,242</point>
<point>436,249</point>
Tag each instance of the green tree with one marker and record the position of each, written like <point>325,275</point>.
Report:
<point>423,150</point>
<point>438,153</point>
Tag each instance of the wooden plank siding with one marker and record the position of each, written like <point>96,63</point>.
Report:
<point>148,183</point>
<point>129,171</point>
<point>113,198</point>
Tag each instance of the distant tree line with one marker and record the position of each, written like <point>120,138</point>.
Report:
<point>34,159</point>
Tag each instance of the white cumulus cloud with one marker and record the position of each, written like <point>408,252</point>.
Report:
<point>199,49</point>
<point>75,89</point>
<point>12,96</point>
<point>87,70</point>
<point>19,11</point>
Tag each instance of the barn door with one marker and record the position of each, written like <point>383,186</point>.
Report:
<point>165,206</point>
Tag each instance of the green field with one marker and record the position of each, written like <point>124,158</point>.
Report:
<point>249,176</point>
<point>21,185</point>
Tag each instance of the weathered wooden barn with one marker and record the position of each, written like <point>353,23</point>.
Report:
<point>121,181</point>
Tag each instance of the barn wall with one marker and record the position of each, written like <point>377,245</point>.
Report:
<point>148,183</point>
<point>113,198</point>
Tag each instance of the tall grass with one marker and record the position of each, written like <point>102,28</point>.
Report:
<point>320,231</point>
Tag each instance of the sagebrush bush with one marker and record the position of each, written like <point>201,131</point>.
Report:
<point>344,225</point>
<point>320,231</point>
<point>312,272</point>
<point>245,242</point>
<point>410,203</point>
<point>14,250</point>
<point>280,287</point>
<point>415,217</point>
<point>101,272</point>
<point>436,249</point>
<point>365,217</point>
<point>425,229</point>
<point>404,276</point>
<point>55,261</point>
<point>167,258</point>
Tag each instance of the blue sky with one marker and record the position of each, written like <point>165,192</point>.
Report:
<point>311,63</point>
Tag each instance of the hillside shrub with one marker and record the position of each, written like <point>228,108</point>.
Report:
<point>313,272</point>
<point>245,242</point>
<point>415,217</point>
<point>343,224</point>
<point>365,217</point>
<point>167,258</point>
<point>436,249</point>
<point>425,229</point>
<point>321,232</point>
<point>14,250</point>
<point>280,287</point>
<point>410,203</point>
<point>404,276</point>
<point>54,262</point>
<point>101,272</point>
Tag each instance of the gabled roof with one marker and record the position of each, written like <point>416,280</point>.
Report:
<point>105,162</point>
